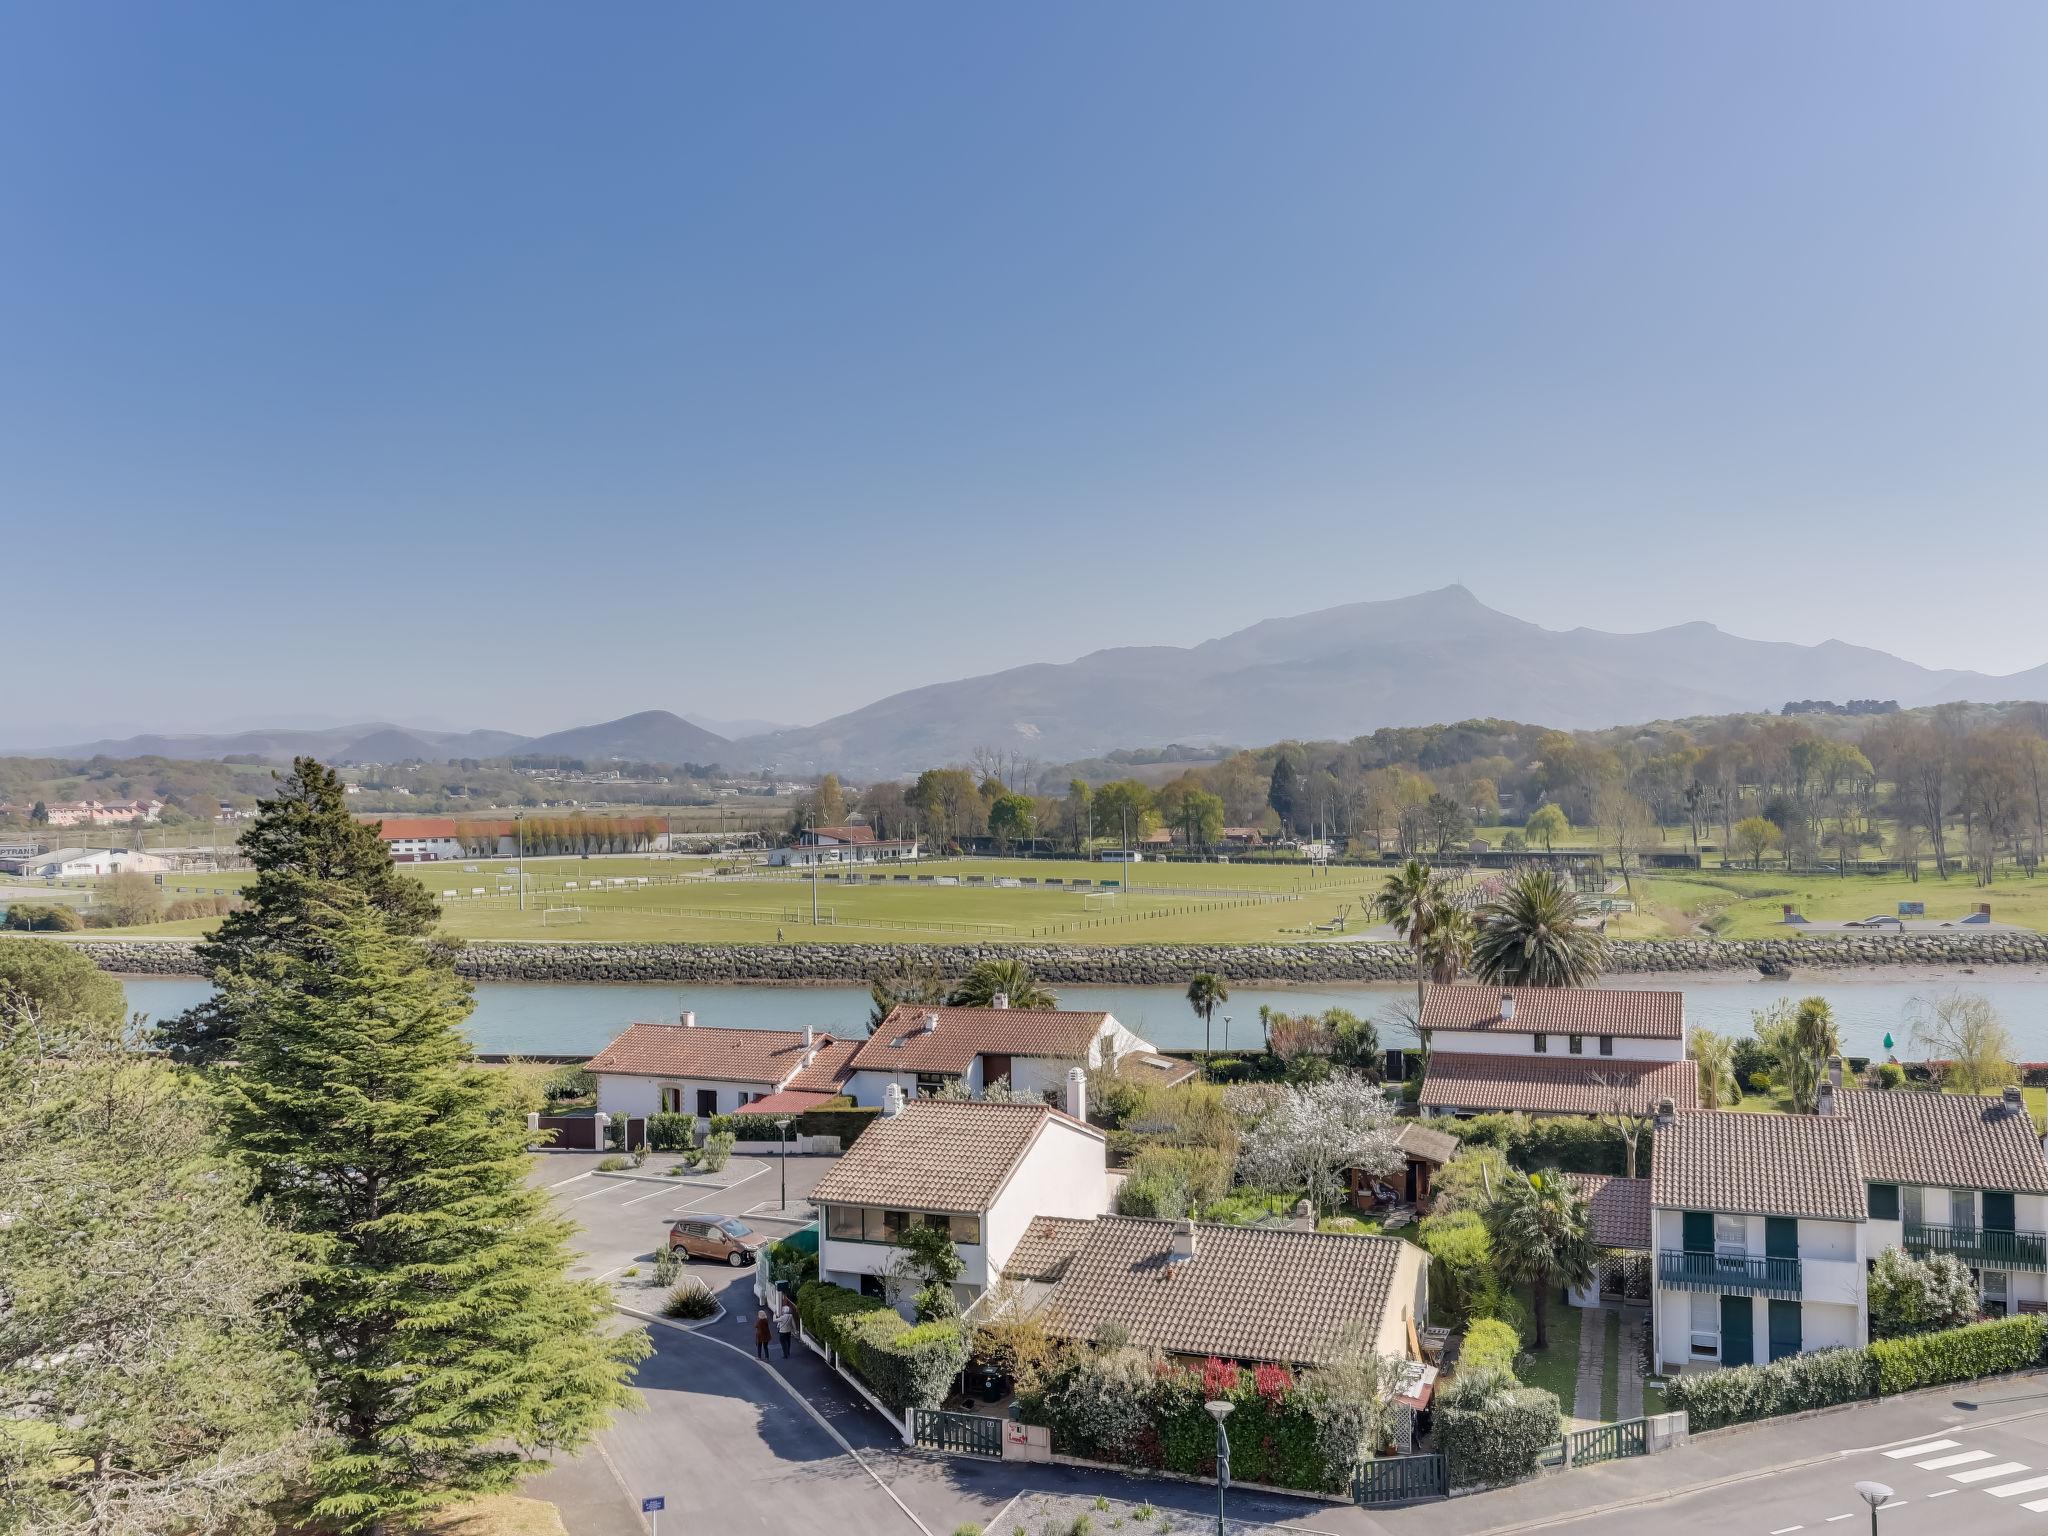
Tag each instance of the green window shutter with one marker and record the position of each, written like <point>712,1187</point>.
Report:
<point>1884,1202</point>
<point>1998,1215</point>
<point>1786,1334</point>
<point>1781,1237</point>
<point>1699,1231</point>
<point>1738,1331</point>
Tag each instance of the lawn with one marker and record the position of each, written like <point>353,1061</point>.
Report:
<point>1747,904</point>
<point>1556,1367</point>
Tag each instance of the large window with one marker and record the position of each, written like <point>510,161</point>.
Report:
<point>965,1229</point>
<point>1706,1325</point>
<point>1731,1233</point>
<point>1884,1202</point>
<point>882,1226</point>
<point>873,1224</point>
<point>843,1222</point>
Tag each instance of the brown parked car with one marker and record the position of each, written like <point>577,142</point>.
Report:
<point>716,1237</point>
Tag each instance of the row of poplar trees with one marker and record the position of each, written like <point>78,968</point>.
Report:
<point>287,1269</point>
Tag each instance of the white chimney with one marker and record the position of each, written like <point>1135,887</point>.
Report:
<point>1667,1114</point>
<point>892,1102</point>
<point>1000,1000</point>
<point>1507,1007</point>
<point>1835,1070</point>
<point>1183,1242</point>
<point>810,1037</point>
<point>2015,1103</point>
<point>931,1023</point>
<point>1824,1102</point>
<point>689,1018</point>
<point>1077,1093</point>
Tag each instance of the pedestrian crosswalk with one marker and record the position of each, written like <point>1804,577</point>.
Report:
<point>1973,1468</point>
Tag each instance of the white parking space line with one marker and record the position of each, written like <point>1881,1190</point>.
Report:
<point>1923,1449</point>
<point>603,1189</point>
<point>2027,1485</point>
<point>569,1180</point>
<point>1831,1519</point>
<point>653,1194</point>
<point>716,1192</point>
<point>1787,1530</point>
<point>1960,1459</point>
<point>1979,1474</point>
<point>1941,1495</point>
<point>2036,1506</point>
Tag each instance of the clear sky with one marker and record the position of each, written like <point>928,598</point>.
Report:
<point>509,365</point>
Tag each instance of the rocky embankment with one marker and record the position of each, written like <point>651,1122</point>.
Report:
<point>1141,964</point>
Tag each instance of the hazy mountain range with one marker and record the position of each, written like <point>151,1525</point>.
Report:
<point>1336,673</point>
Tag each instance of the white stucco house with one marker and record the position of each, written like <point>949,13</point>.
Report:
<point>1763,1225</point>
<point>681,1068</point>
<point>78,863</point>
<point>1553,1050</point>
<point>982,1170</point>
<point>832,847</point>
<point>919,1049</point>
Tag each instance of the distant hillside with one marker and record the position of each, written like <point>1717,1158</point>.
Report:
<point>373,742</point>
<point>653,736</point>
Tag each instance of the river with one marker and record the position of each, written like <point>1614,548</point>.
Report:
<point>558,1018</point>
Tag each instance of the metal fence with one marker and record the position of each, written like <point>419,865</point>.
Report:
<point>971,1433</point>
<point>1399,1479</point>
<point>1606,1442</point>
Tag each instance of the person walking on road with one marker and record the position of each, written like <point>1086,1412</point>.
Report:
<point>761,1334</point>
<point>785,1323</point>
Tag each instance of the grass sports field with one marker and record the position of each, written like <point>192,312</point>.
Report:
<point>940,901</point>
<point>1745,904</point>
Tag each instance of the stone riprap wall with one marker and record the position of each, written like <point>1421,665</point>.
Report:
<point>1141,964</point>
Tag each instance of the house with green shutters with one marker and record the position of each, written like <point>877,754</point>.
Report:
<point>1763,1225</point>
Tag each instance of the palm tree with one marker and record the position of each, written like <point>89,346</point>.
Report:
<point>1205,991</point>
<point>1447,944</point>
<point>1715,1056</point>
<point>1809,1043</point>
<point>904,982</point>
<point>1410,900</point>
<point>1542,1234</point>
<point>1535,934</point>
<point>1010,979</point>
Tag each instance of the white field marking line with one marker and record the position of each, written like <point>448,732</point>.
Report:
<point>2026,1485</point>
<point>801,1401</point>
<point>1959,1459</point>
<point>1979,1474</point>
<point>1920,1449</point>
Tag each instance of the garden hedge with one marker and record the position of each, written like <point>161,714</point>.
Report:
<point>836,1117</point>
<point>671,1132</point>
<point>1490,1343</point>
<point>1493,1435</point>
<point>906,1367</point>
<point>1831,1376</point>
<point>1566,1142</point>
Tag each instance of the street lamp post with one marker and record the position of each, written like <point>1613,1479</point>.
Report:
<point>1226,1034</point>
<point>782,1134</point>
<point>1219,1411</point>
<point>1874,1494</point>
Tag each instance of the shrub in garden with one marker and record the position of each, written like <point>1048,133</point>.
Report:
<point>666,1264</point>
<point>1959,1354</point>
<point>1889,1074</point>
<point>1909,1295</point>
<point>905,1366</point>
<point>1490,1344</point>
<point>671,1132</point>
<point>1795,1384</point>
<point>1760,1082</point>
<point>691,1299</point>
<point>612,1164</point>
<point>1491,1430</point>
<point>717,1150</point>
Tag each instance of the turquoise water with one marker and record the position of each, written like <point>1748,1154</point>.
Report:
<point>562,1018</point>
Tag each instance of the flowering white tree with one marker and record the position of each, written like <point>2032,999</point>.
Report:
<point>1309,1135</point>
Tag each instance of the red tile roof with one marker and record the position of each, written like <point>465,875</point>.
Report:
<point>939,1155</point>
<point>442,826</point>
<point>788,1102</point>
<point>1558,1011</point>
<point>1760,1165</point>
<point>1620,1208</point>
<point>845,834</point>
<point>770,1056</point>
<point>1548,1085</point>
<point>903,1044</point>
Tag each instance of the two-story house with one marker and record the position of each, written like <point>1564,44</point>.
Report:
<point>981,1170</point>
<point>1764,1225</point>
<point>1553,1050</point>
<point>920,1049</point>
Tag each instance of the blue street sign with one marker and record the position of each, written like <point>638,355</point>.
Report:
<point>649,1506</point>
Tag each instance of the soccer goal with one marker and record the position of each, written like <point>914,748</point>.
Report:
<point>1099,901</point>
<point>553,917</point>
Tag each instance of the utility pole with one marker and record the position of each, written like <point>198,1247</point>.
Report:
<point>519,822</point>
<point>814,871</point>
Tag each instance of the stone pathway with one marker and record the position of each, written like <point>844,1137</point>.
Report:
<point>1592,1366</point>
<point>1629,1378</point>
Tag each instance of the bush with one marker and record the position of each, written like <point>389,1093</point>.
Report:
<point>666,1263</point>
<point>1909,1295</point>
<point>836,1117</point>
<point>1959,1354</point>
<point>1490,1344</point>
<point>1491,1430</point>
<point>40,919</point>
<point>612,1164</point>
<point>1792,1385</point>
<point>691,1299</point>
<point>1889,1074</point>
<point>717,1150</point>
<point>1760,1082</point>
<point>671,1132</point>
<point>1567,1142</point>
<point>905,1366</point>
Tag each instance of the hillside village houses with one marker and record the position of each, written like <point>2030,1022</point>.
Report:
<point>93,813</point>
<point>1553,1050</point>
<point>681,1068</point>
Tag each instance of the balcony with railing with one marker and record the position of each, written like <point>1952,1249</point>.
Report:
<point>1729,1272</point>
<point>1981,1247</point>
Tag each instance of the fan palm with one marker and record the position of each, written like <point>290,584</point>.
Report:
<point>1205,991</point>
<point>1542,1234</point>
<point>1808,1044</point>
<point>1715,1056</point>
<point>1011,979</point>
<point>1447,944</point>
<point>1535,934</point>
<point>1411,901</point>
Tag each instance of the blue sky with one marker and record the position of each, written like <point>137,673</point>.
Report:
<point>524,365</point>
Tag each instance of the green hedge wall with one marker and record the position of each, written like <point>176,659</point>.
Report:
<point>905,1366</point>
<point>671,1132</point>
<point>1566,1142</point>
<point>1498,1442</point>
<point>1830,1376</point>
<point>838,1117</point>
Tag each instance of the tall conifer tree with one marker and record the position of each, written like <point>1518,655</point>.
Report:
<point>446,1341</point>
